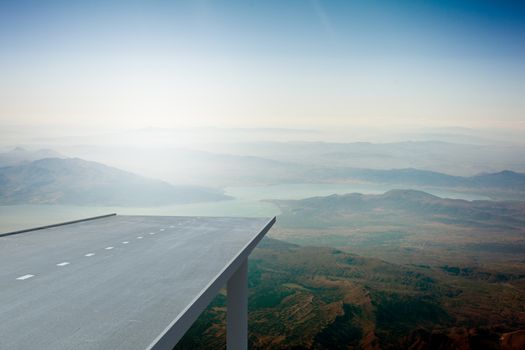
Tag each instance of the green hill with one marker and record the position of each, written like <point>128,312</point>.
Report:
<point>322,298</point>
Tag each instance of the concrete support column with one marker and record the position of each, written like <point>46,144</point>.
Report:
<point>237,313</point>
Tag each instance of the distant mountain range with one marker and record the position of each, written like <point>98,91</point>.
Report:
<point>443,157</point>
<point>508,180</point>
<point>227,170</point>
<point>422,203</point>
<point>399,207</point>
<point>80,182</point>
<point>222,170</point>
<point>20,155</point>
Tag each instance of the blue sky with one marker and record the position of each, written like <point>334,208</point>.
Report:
<point>263,63</point>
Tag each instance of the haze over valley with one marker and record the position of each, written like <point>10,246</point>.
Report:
<point>377,245</point>
<point>387,137</point>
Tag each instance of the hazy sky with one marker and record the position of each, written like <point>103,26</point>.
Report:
<point>280,63</point>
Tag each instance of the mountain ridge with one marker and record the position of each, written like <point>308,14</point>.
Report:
<point>19,155</point>
<point>336,210</point>
<point>81,182</point>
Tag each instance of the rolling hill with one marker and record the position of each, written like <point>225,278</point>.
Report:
<point>80,182</point>
<point>399,206</point>
<point>399,270</point>
<point>505,180</point>
<point>323,298</point>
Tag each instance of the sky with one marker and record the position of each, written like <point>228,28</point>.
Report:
<point>288,64</point>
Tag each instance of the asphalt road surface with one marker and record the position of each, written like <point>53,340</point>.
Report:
<point>111,283</point>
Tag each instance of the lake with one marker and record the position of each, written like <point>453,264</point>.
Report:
<point>247,202</point>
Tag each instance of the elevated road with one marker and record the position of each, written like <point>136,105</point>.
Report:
<point>120,282</point>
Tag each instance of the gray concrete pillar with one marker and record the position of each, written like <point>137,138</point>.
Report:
<point>237,313</point>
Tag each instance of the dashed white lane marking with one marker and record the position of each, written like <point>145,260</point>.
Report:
<point>109,248</point>
<point>139,237</point>
<point>161,229</point>
<point>89,254</point>
<point>24,277</point>
<point>63,263</point>
<point>171,226</point>
<point>152,233</point>
<point>125,242</point>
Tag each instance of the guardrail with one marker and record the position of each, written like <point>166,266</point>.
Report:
<point>55,225</point>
